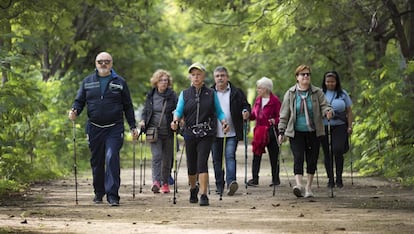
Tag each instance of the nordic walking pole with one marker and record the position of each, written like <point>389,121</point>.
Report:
<point>145,160</point>
<point>75,169</point>
<point>140,166</point>
<point>352,177</point>
<point>175,167</point>
<point>331,154</point>
<point>222,165</point>
<point>133,167</point>
<point>278,154</point>
<point>283,163</point>
<point>179,162</point>
<point>245,153</point>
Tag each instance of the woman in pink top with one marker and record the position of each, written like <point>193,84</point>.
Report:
<point>266,113</point>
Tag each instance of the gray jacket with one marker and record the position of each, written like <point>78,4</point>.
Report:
<point>288,111</point>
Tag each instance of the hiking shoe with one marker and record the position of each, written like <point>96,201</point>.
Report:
<point>171,180</point>
<point>165,188</point>
<point>113,202</point>
<point>204,200</point>
<point>253,182</point>
<point>194,195</point>
<point>297,190</point>
<point>308,193</point>
<point>232,188</point>
<point>155,187</point>
<point>330,185</point>
<point>339,184</point>
<point>97,199</point>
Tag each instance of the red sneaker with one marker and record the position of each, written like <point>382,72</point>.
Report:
<point>165,188</point>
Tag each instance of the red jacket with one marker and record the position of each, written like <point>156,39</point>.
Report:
<point>262,117</point>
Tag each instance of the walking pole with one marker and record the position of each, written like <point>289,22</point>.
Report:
<point>278,153</point>
<point>352,177</point>
<point>75,169</point>
<point>331,154</point>
<point>222,165</point>
<point>133,167</point>
<point>140,166</point>
<point>283,162</point>
<point>175,167</point>
<point>145,160</point>
<point>245,153</point>
<point>179,162</point>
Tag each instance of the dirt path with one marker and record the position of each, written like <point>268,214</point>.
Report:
<point>371,205</point>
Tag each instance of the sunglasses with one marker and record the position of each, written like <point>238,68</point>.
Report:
<point>305,74</point>
<point>100,62</point>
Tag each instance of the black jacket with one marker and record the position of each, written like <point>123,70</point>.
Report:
<point>238,103</point>
<point>108,108</point>
<point>171,103</point>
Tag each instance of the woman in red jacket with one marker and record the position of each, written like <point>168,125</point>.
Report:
<point>266,113</point>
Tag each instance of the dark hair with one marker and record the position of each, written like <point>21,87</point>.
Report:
<point>338,87</point>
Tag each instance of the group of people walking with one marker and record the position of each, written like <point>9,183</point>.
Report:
<point>213,120</point>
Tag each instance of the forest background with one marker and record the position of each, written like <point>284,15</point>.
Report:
<point>48,47</point>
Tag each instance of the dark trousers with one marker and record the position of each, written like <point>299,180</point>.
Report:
<point>339,140</point>
<point>304,146</point>
<point>198,151</point>
<point>105,144</point>
<point>273,150</point>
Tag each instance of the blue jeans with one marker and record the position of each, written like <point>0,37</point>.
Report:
<point>217,152</point>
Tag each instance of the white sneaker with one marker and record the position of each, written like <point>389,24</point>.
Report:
<point>308,194</point>
<point>297,190</point>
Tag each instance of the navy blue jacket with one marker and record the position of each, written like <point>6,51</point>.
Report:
<point>108,108</point>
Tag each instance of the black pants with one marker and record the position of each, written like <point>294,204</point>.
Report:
<point>339,142</point>
<point>198,151</point>
<point>304,146</point>
<point>273,150</point>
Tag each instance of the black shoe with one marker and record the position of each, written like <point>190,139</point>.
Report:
<point>97,199</point>
<point>339,184</point>
<point>113,202</point>
<point>253,182</point>
<point>194,195</point>
<point>204,200</point>
<point>274,184</point>
<point>330,185</point>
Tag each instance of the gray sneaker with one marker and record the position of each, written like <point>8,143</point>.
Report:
<point>232,188</point>
<point>204,200</point>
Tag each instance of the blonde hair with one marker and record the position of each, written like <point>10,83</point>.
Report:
<point>301,68</point>
<point>157,76</point>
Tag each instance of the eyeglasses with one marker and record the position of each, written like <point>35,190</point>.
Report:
<point>100,62</point>
<point>163,80</point>
<point>305,74</point>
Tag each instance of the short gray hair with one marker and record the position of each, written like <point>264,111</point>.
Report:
<point>265,83</point>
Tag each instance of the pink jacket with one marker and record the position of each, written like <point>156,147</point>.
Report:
<point>262,117</point>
